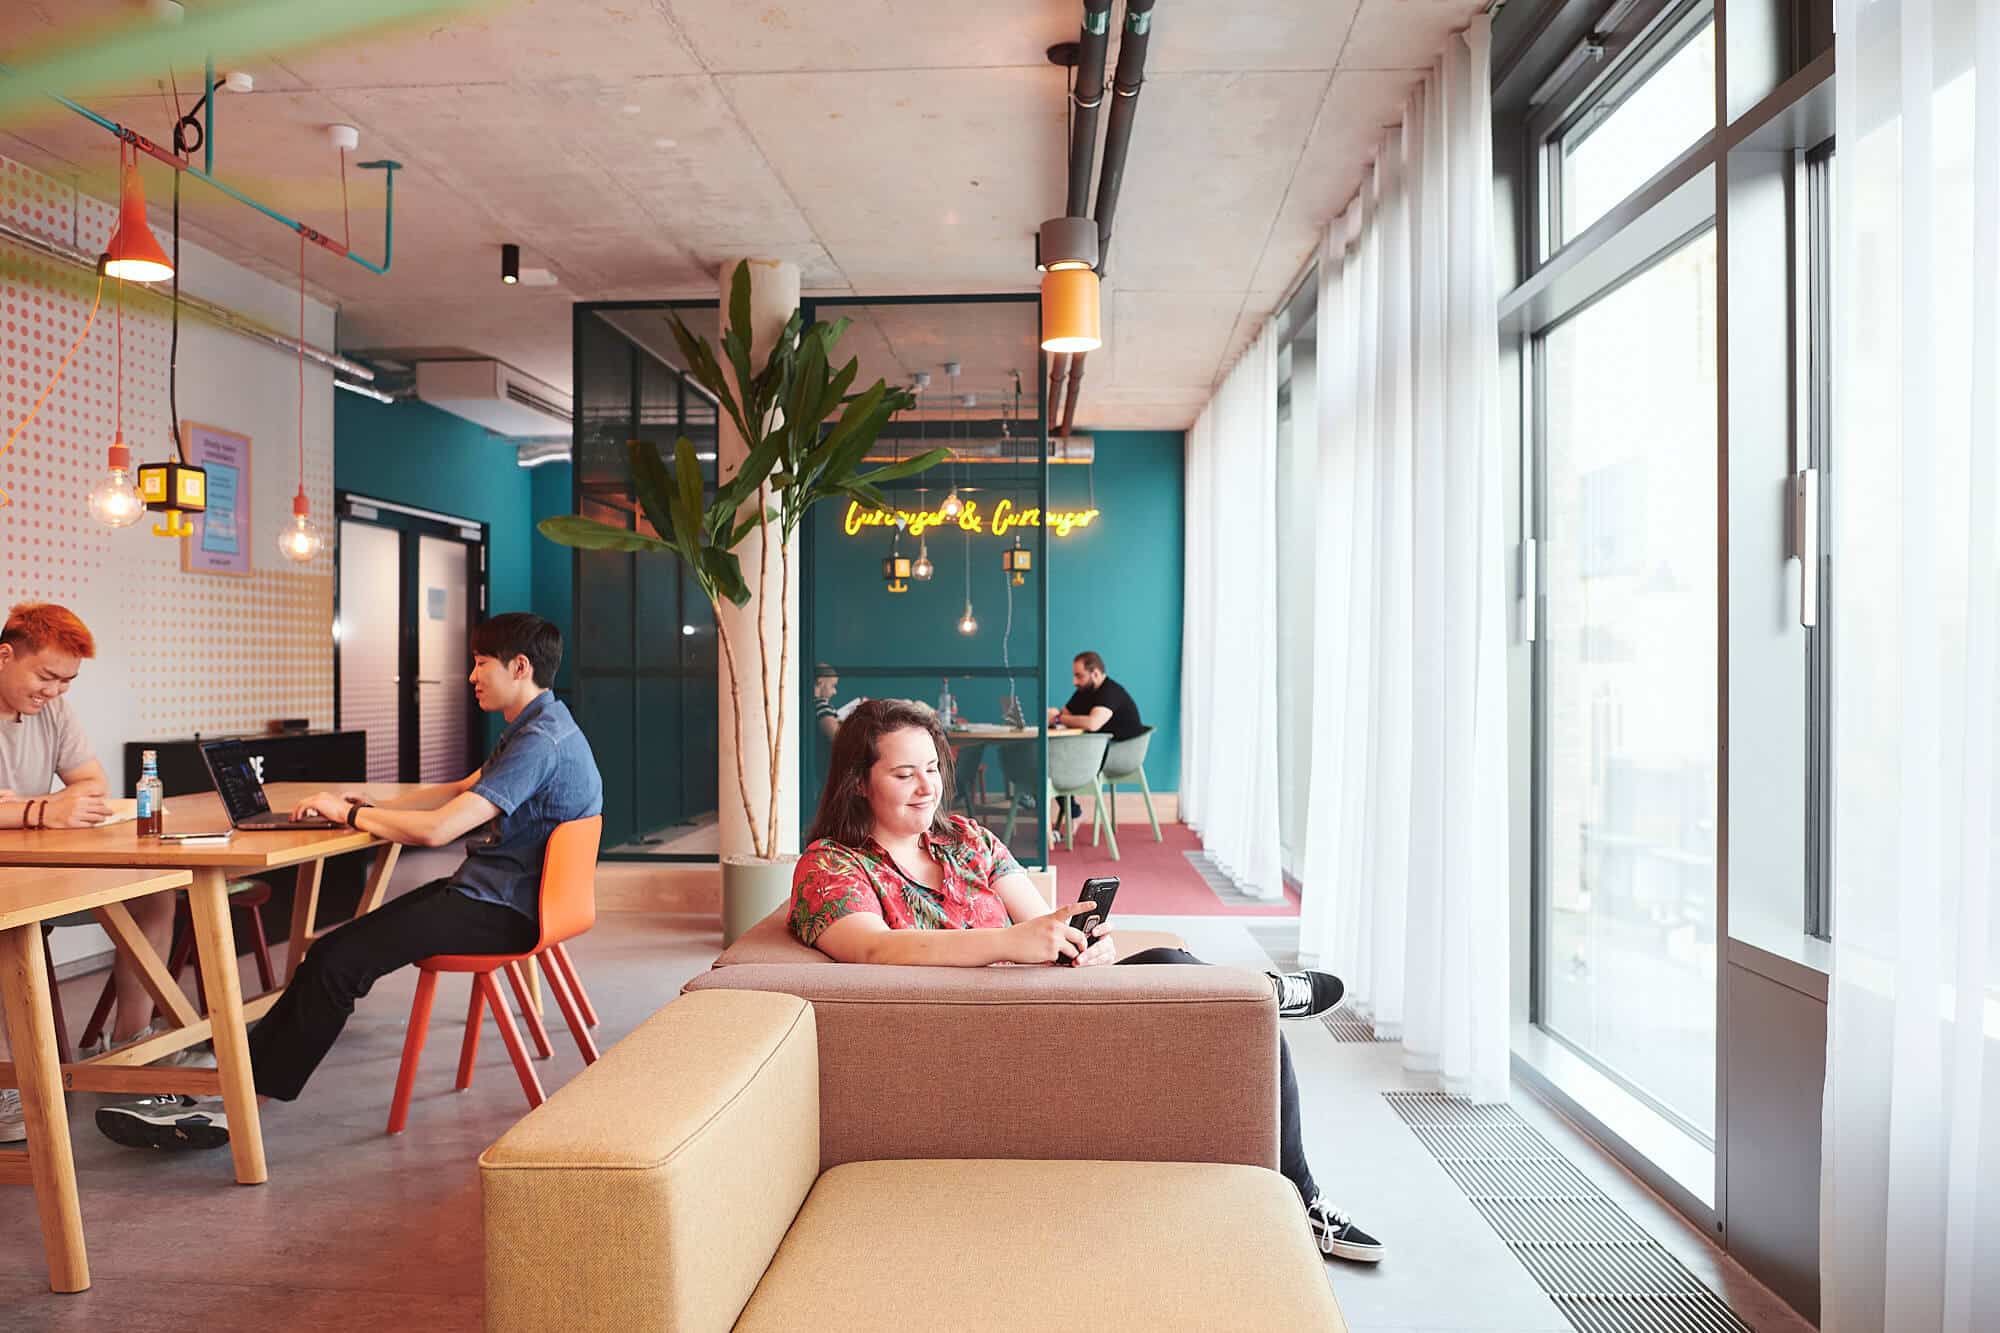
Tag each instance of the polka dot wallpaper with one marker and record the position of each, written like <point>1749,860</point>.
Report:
<point>178,652</point>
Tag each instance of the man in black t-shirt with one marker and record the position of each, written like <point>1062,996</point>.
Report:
<point>1099,704</point>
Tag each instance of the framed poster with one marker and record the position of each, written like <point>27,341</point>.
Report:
<point>220,542</point>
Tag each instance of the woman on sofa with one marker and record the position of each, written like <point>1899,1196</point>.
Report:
<point>889,877</point>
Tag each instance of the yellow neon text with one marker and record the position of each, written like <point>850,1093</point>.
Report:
<point>1004,519</point>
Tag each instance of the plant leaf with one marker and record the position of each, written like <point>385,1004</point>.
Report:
<point>587,534</point>
<point>909,467</point>
<point>652,484</point>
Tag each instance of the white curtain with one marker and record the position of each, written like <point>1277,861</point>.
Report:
<point>1910,1201</point>
<point>1229,643</point>
<point>1405,888</point>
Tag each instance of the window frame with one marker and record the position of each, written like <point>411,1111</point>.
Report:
<point>1814,203</point>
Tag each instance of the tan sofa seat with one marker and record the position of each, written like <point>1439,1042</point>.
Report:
<point>1045,1245</point>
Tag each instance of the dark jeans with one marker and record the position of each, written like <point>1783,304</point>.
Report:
<point>1291,1145</point>
<point>341,968</point>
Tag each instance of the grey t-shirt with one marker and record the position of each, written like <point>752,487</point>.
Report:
<point>35,747</point>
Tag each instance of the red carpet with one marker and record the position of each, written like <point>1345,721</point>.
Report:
<point>1157,877</point>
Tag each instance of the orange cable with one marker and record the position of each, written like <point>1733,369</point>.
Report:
<point>5,498</point>
<point>302,361</point>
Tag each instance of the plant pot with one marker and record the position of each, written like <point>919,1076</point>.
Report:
<point>752,888</point>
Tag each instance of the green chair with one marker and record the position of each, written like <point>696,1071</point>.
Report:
<point>1074,762</point>
<point>1124,761</point>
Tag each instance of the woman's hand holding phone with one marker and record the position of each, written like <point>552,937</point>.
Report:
<point>1048,939</point>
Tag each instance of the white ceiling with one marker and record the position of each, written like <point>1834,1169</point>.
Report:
<point>904,146</point>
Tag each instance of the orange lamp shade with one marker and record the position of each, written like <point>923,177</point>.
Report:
<point>134,254</point>
<point>1069,311</point>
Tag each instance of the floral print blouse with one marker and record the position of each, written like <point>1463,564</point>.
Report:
<point>834,880</point>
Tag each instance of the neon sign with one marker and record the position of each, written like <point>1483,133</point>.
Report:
<point>1006,517</point>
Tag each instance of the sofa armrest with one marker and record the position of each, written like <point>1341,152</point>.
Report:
<point>1171,1064</point>
<point>652,1190</point>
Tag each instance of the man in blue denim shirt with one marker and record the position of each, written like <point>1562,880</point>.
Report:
<point>539,775</point>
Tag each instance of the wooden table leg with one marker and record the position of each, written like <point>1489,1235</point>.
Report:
<point>378,878</point>
<point>31,1031</point>
<point>305,906</point>
<point>215,946</point>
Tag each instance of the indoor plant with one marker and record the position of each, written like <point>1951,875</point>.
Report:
<point>806,438</point>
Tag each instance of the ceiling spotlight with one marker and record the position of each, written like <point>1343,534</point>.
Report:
<point>1066,243</point>
<point>239,81</point>
<point>510,264</point>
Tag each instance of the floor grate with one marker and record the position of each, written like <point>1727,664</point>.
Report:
<point>1601,1269</point>
<point>1221,883</point>
<point>1346,1025</point>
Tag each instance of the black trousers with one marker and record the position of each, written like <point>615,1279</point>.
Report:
<point>1291,1144</point>
<point>341,967</point>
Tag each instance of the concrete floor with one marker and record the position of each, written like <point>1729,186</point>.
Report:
<point>360,1231</point>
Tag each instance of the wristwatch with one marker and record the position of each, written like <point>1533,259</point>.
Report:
<point>356,809</point>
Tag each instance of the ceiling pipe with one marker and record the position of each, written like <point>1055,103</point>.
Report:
<point>1086,96</point>
<point>222,315</point>
<point>1126,83</point>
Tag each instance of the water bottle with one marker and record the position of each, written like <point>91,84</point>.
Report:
<point>947,707</point>
<point>151,797</point>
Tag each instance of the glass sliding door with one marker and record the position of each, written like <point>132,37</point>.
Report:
<point>1627,677</point>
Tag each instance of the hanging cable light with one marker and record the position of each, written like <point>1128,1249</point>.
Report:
<point>922,570</point>
<point>134,253</point>
<point>299,540</point>
<point>114,501</point>
<point>968,624</point>
<point>175,488</point>
<point>952,506</point>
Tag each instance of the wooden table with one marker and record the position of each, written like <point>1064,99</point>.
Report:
<point>29,897</point>
<point>208,869</point>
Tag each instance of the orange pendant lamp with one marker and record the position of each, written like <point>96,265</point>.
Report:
<point>134,253</point>
<point>1070,311</point>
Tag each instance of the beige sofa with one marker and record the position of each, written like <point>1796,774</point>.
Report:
<point>1025,1151</point>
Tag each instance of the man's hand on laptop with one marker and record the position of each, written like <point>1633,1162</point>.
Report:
<point>323,805</point>
<point>79,806</point>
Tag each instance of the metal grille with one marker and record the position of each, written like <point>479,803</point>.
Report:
<point>1221,884</point>
<point>1346,1025</point>
<point>1602,1271</point>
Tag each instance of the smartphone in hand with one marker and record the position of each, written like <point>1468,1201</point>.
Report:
<point>1098,892</point>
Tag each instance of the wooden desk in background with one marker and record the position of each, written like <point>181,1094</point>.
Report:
<point>29,897</point>
<point>208,869</point>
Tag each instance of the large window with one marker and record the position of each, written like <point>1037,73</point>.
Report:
<point>1298,532</point>
<point>1814,516</point>
<point>1628,682</point>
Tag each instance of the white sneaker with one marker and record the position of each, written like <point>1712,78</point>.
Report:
<point>13,1124</point>
<point>167,1122</point>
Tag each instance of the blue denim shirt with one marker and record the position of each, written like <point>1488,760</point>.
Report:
<point>540,774</point>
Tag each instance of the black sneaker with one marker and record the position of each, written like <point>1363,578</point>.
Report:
<point>172,1122</point>
<point>1336,1234</point>
<point>1306,994</point>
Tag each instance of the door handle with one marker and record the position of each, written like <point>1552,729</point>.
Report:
<point>1805,542</point>
<point>422,681</point>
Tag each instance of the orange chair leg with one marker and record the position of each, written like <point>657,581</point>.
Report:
<point>511,1035</point>
<point>413,1048</point>
<point>536,1032</point>
<point>561,951</point>
<point>584,1045</point>
<point>469,1052</point>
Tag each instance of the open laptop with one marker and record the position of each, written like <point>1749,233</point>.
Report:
<point>242,791</point>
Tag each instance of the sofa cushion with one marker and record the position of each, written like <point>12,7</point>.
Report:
<point>1027,1244</point>
<point>660,1180</point>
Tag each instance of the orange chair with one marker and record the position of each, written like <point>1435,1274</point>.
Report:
<point>568,907</point>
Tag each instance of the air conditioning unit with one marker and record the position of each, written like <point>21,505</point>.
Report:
<point>496,396</point>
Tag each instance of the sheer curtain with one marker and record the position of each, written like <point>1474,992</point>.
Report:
<point>1229,635</point>
<point>1405,871</point>
<point>1910,1202</point>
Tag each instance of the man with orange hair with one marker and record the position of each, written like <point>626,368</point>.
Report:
<point>42,647</point>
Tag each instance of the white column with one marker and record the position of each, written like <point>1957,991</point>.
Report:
<point>774,295</point>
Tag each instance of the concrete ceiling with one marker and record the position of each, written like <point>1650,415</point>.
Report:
<point>908,146</point>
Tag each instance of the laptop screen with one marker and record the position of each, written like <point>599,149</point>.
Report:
<point>235,779</point>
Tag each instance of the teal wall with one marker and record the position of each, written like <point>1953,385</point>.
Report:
<point>549,583</point>
<point>1115,586</point>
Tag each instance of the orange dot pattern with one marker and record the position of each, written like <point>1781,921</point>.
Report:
<point>197,652</point>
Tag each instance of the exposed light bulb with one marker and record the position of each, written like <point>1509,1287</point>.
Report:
<point>114,501</point>
<point>299,539</point>
<point>967,623</point>
<point>923,568</point>
<point>952,506</point>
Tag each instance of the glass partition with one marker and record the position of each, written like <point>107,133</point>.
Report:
<point>969,640</point>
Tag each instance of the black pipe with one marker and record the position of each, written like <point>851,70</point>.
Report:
<point>1124,102</point>
<point>1058,365</point>
<point>1085,98</point>
<point>1075,392</point>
